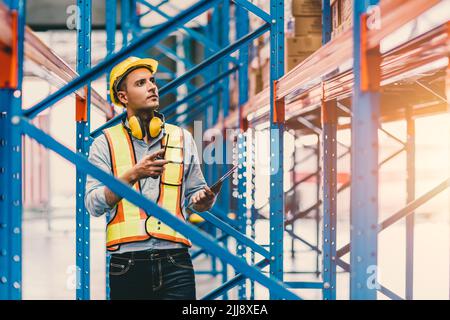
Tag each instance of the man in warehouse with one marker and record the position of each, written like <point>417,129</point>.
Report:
<point>149,260</point>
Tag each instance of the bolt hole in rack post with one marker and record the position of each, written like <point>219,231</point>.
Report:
<point>360,76</point>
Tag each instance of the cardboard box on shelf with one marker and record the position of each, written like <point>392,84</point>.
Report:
<point>306,7</point>
<point>335,21</point>
<point>297,46</point>
<point>265,74</point>
<point>341,29</point>
<point>341,14</point>
<point>234,90</point>
<point>293,61</point>
<point>337,32</point>
<point>255,82</point>
<point>308,25</point>
<point>259,81</point>
<point>258,77</point>
<point>346,10</point>
<point>347,24</point>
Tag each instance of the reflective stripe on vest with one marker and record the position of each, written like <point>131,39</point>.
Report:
<point>130,223</point>
<point>170,188</point>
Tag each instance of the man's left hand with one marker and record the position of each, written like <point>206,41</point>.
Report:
<point>203,200</point>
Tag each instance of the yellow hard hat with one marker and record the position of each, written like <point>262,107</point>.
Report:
<point>122,69</point>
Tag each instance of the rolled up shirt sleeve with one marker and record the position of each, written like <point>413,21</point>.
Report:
<point>95,200</point>
<point>194,180</point>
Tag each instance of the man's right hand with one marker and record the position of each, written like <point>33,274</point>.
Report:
<point>150,166</point>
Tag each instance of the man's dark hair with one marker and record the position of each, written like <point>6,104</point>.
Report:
<point>123,84</point>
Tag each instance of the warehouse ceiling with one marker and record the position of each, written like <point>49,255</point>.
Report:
<point>62,13</point>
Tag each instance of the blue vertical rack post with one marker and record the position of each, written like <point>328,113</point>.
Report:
<point>241,151</point>
<point>364,161</point>
<point>125,15</point>
<point>11,158</point>
<point>205,116</point>
<point>82,145</point>
<point>242,28</point>
<point>326,21</point>
<point>317,212</point>
<point>218,103</point>
<point>225,41</point>
<point>226,188</point>
<point>216,35</point>
<point>211,115</point>
<point>329,153</point>
<point>253,210</point>
<point>329,174</point>
<point>134,19</point>
<point>276,119</point>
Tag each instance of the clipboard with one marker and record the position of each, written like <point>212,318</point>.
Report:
<point>218,184</point>
<point>215,188</point>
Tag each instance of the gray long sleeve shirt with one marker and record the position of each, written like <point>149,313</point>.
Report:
<point>95,200</point>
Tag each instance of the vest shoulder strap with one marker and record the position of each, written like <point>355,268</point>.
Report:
<point>121,149</point>
<point>173,129</point>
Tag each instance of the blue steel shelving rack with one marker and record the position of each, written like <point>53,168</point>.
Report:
<point>365,116</point>
<point>306,81</point>
<point>242,28</point>
<point>83,110</point>
<point>276,119</point>
<point>11,159</point>
<point>20,122</point>
<point>364,168</point>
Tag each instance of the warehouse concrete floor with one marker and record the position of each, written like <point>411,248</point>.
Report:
<point>49,258</point>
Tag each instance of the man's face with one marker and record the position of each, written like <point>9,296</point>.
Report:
<point>139,91</point>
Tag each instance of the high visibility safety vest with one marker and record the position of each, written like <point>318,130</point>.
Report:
<point>132,224</point>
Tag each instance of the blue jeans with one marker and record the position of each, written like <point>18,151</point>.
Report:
<point>152,275</point>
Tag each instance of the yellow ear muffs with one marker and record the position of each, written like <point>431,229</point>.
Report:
<point>136,127</point>
<point>155,126</point>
